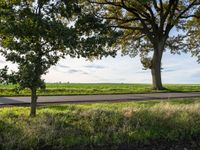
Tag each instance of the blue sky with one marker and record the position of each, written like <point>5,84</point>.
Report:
<point>176,69</point>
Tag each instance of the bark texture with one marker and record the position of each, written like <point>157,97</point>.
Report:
<point>33,102</point>
<point>156,65</point>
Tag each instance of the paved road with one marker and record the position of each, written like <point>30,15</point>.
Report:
<point>94,98</point>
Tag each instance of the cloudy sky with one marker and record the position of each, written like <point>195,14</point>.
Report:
<point>176,69</point>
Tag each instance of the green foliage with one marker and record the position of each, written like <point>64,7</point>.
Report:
<point>133,125</point>
<point>34,37</point>
<point>146,23</point>
<point>35,34</point>
<point>3,75</point>
<point>194,35</point>
<point>97,36</point>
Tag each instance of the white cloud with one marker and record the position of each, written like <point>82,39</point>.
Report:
<point>177,69</point>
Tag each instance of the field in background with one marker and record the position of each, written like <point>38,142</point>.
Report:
<point>156,124</point>
<point>104,88</point>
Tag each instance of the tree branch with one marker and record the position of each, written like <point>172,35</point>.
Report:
<point>126,27</point>
<point>189,6</point>
<point>190,16</point>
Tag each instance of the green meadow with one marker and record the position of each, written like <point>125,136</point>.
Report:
<point>153,124</point>
<point>96,88</point>
<point>172,124</point>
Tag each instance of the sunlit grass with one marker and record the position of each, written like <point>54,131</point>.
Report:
<point>85,89</point>
<point>128,125</point>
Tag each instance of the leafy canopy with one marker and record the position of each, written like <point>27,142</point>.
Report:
<point>147,24</point>
<point>194,35</point>
<point>35,34</point>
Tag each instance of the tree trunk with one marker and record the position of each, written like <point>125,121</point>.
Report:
<point>156,68</point>
<point>156,75</point>
<point>33,102</point>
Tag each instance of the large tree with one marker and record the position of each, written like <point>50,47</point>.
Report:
<point>147,27</point>
<point>35,34</point>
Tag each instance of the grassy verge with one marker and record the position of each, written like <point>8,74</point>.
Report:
<point>148,125</point>
<point>84,89</point>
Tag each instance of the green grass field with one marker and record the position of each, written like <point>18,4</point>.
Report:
<point>141,125</point>
<point>83,89</point>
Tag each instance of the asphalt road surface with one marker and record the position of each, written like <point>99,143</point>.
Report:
<point>94,98</point>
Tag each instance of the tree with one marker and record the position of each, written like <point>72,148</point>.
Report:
<point>35,38</point>
<point>35,34</point>
<point>146,27</point>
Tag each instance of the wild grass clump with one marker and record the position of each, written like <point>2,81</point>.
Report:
<point>139,125</point>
